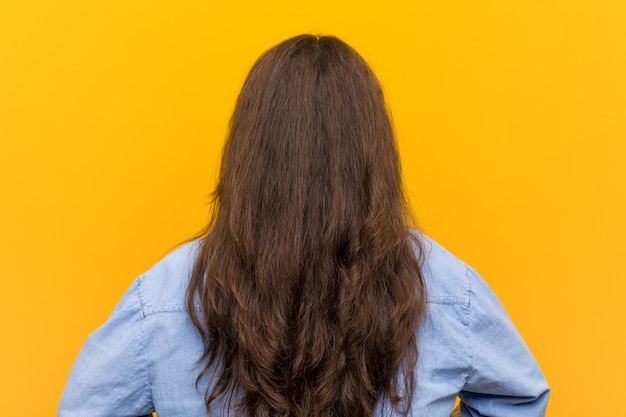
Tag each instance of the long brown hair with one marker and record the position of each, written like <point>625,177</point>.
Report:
<point>307,278</point>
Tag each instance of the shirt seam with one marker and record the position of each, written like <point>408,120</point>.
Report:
<point>170,309</point>
<point>141,351</point>
<point>142,301</point>
<point>148,310</point>
<point>468,324</point>
<point>448,300</point>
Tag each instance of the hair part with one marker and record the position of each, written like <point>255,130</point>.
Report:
<point>308,281</point>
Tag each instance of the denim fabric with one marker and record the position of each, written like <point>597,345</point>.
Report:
<point>144,357</point>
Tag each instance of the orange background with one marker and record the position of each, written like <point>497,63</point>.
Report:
<point>511,118</point>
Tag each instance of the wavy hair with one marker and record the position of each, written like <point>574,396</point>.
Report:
<point>307,291</point>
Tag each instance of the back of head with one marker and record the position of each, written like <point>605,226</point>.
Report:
<point>310,288</point>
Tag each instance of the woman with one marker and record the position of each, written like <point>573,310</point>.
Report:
<point>308,295</point>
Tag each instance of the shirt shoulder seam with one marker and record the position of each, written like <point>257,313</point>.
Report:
<point>469,344</point>
<point>176,308</point>
<point>142,345</point>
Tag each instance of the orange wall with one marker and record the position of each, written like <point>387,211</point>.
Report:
<point>511,118</point>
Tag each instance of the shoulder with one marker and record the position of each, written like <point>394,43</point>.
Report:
<point>446,277</point>
<point>162,288</point>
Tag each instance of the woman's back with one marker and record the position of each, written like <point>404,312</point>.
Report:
<point>308,295</point>
<point>145,357</point>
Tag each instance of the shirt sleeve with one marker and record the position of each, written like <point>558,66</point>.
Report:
<point>505,380</point>
<point>109,376</point>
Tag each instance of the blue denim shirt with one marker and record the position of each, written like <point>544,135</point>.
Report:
<point>144,357</point>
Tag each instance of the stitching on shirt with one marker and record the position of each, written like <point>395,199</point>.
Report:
<point>144,306</point>
<point>467,324</point>
<point>180,308</point>
<point>448,300</point>
<point>143,369</point>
